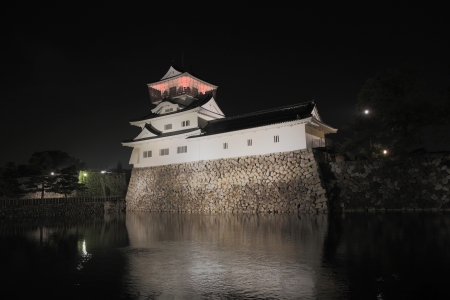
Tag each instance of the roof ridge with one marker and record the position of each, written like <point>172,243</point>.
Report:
<point>194,104</point>
<point>163,135</point>
<point>262,111</point>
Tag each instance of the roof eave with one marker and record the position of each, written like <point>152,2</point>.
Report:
<point>326,128</point>
<point>137,122</point>
<point>179,75</point>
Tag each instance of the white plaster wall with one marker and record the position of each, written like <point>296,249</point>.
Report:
<point>176,120</point>
<point>135,157</point>
<point>291,138</point>
<point>192,153</point>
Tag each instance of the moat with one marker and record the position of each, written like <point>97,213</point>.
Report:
<point>142,255</point>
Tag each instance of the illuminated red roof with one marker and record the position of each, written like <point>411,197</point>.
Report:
<point>176,82</point>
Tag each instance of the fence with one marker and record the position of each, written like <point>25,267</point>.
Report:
<point>30,201</point>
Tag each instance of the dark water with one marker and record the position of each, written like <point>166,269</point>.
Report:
<point>188,256</point>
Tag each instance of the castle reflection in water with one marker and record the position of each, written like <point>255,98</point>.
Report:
<point>141,255</point>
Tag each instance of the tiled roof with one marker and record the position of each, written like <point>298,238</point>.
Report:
<point>152,129</point>
<point>181,70</point>
<point>259,118</point>
<point>163,135</point>
<point>194,104</point>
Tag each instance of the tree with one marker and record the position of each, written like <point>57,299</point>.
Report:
<point>442,131</point>
<point>66,182</point>
<point>9,182</point>
<point>43,164</point>
<point>394,115</point>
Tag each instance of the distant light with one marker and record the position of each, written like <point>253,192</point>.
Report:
<point>366,111</point>
<point>384,151</point>
<point>52,173</point>
<point>103,172</point>
<point>84,174</point>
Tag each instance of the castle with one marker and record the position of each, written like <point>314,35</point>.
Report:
<point>186,130</point>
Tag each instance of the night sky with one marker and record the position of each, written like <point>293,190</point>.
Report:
<point>74,75</point>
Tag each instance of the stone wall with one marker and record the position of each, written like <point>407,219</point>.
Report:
<point>59,210</point>
<point>278,182</point>
<point>411,183</point>
<point>104,185</point>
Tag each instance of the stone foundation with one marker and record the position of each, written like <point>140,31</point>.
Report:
<point>410,183</point>
<point>277,182</point>
<point>61,210</point>
<point>104,185</point>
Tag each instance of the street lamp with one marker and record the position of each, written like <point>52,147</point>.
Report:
<point>366,111</point>
<point>384,152</point>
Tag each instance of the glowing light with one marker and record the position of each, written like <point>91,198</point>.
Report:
<point>52,173</point>
<point>84,255</point>
<point>183,81</point>
<point>84,174</point>
<point>103,172</point>
<point>384,151</point>
<point>366,111</point>
<point>83,248</point>
<point>180,85</point>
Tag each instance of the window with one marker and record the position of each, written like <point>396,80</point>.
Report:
<point>225,145</point>
<point>249,142</point>
<point>164,152</point>
<point>276,138</point>
<point>182,149</point>
<point>147,153</point>
<point>168,110</point>
<point>185,123</point>
<point>167,126</point>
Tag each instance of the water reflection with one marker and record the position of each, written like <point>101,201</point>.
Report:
<point>388,256</point>
<point>188,256</point>
<point>57,259</point>
<point>231,256</point>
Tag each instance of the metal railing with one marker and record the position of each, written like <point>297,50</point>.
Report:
<point>37,201</point>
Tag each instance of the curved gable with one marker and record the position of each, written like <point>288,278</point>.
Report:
<point>145,133</point>
<point>212,106</point>
<point>315,113</point>
<point>172,72</point>
<point>165,108</point>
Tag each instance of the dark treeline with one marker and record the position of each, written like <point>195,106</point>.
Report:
<point>48,171</point>
<point>396,117</point>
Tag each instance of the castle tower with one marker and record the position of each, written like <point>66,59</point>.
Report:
<point>183,106</point>
<point>187,125</point>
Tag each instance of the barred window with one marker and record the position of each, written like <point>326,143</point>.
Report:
<point>147,153</point>
<point>249,142</point>
<point>182,149</point>
<point>167,126</point>
<point>276,138</point>
<point>185,123</point>
<point>164,152</point>
<point>225,145</point>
